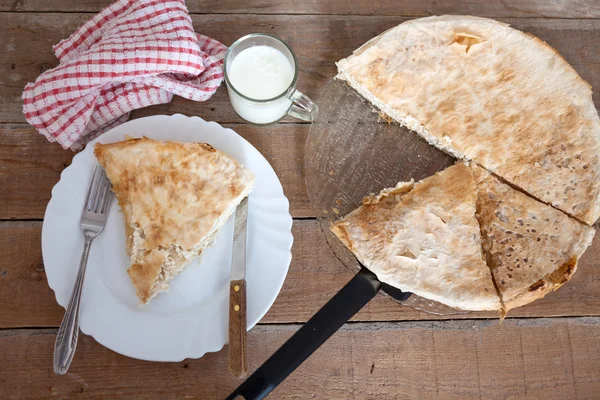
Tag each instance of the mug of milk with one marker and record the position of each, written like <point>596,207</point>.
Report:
<point>261,73</point>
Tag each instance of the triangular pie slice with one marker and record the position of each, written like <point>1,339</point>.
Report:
<point>531,248</point>
<point>481,90</point>
<point>425,239</point>
<point>174,197</point>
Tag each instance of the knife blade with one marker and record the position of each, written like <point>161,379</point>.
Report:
<point>237,294</point>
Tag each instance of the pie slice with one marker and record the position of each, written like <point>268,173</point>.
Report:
<point>531,248</point>
<point>174,197</point>
<point>424,238</point>
<point>480,90</point>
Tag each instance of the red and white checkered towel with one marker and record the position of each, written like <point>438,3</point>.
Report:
<point>133,54</point>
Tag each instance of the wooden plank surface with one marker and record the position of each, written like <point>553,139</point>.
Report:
<point>468,357</point>
<point>413,8</point>
<point>30,166</point>
<point>319,41</point>
<point>315,275</point>
<point>537,359</point>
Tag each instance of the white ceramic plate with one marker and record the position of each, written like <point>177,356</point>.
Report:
<point>192,318</point>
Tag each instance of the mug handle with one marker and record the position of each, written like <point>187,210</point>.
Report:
<point>302,107</point>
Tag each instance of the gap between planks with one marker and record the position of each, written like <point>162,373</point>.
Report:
<point>361,326</point>
<point>409,8</point>
<point>300,14</point>
<point>9,220</point>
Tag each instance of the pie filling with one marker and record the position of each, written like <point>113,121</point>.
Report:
<point>177,258</point>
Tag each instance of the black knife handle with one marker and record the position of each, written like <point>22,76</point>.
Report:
<point>347,302</point>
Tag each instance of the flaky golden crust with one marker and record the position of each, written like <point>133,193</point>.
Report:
<point>531,248</point>
<point>441,237</point>
<point>174,196</point>
<point>425,240</point>
<point>481,90</point>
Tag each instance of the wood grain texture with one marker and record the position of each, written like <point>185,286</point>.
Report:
<point>238,363</point>
<point>556,358</point>
<point>544,358</point>
<point>30,166</point>
<point>318,41</point>
<point>507,8</point>
<point>315,275</point>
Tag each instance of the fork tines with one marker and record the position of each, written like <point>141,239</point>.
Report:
<point>98,195</point>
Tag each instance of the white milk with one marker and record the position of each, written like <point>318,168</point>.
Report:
<point>260,73</point>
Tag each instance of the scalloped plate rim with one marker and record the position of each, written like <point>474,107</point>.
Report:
<point>189,350</point>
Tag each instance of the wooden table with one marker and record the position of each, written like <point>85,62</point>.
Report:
<point>549,349</point>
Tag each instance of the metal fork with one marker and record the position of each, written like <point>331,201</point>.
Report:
<point>93,218</point>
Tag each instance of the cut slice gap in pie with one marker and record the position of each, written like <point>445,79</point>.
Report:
<point>531,248</point>
<point>483,91</point>
<point>441,238</point>
<point>424,238</point>
<point>175,197</point>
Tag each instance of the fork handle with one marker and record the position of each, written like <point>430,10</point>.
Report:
<point>66,338</point>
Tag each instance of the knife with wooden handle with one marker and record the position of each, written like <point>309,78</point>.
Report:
<point>237,294</point>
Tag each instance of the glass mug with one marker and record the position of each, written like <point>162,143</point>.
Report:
<point>263,112</point>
